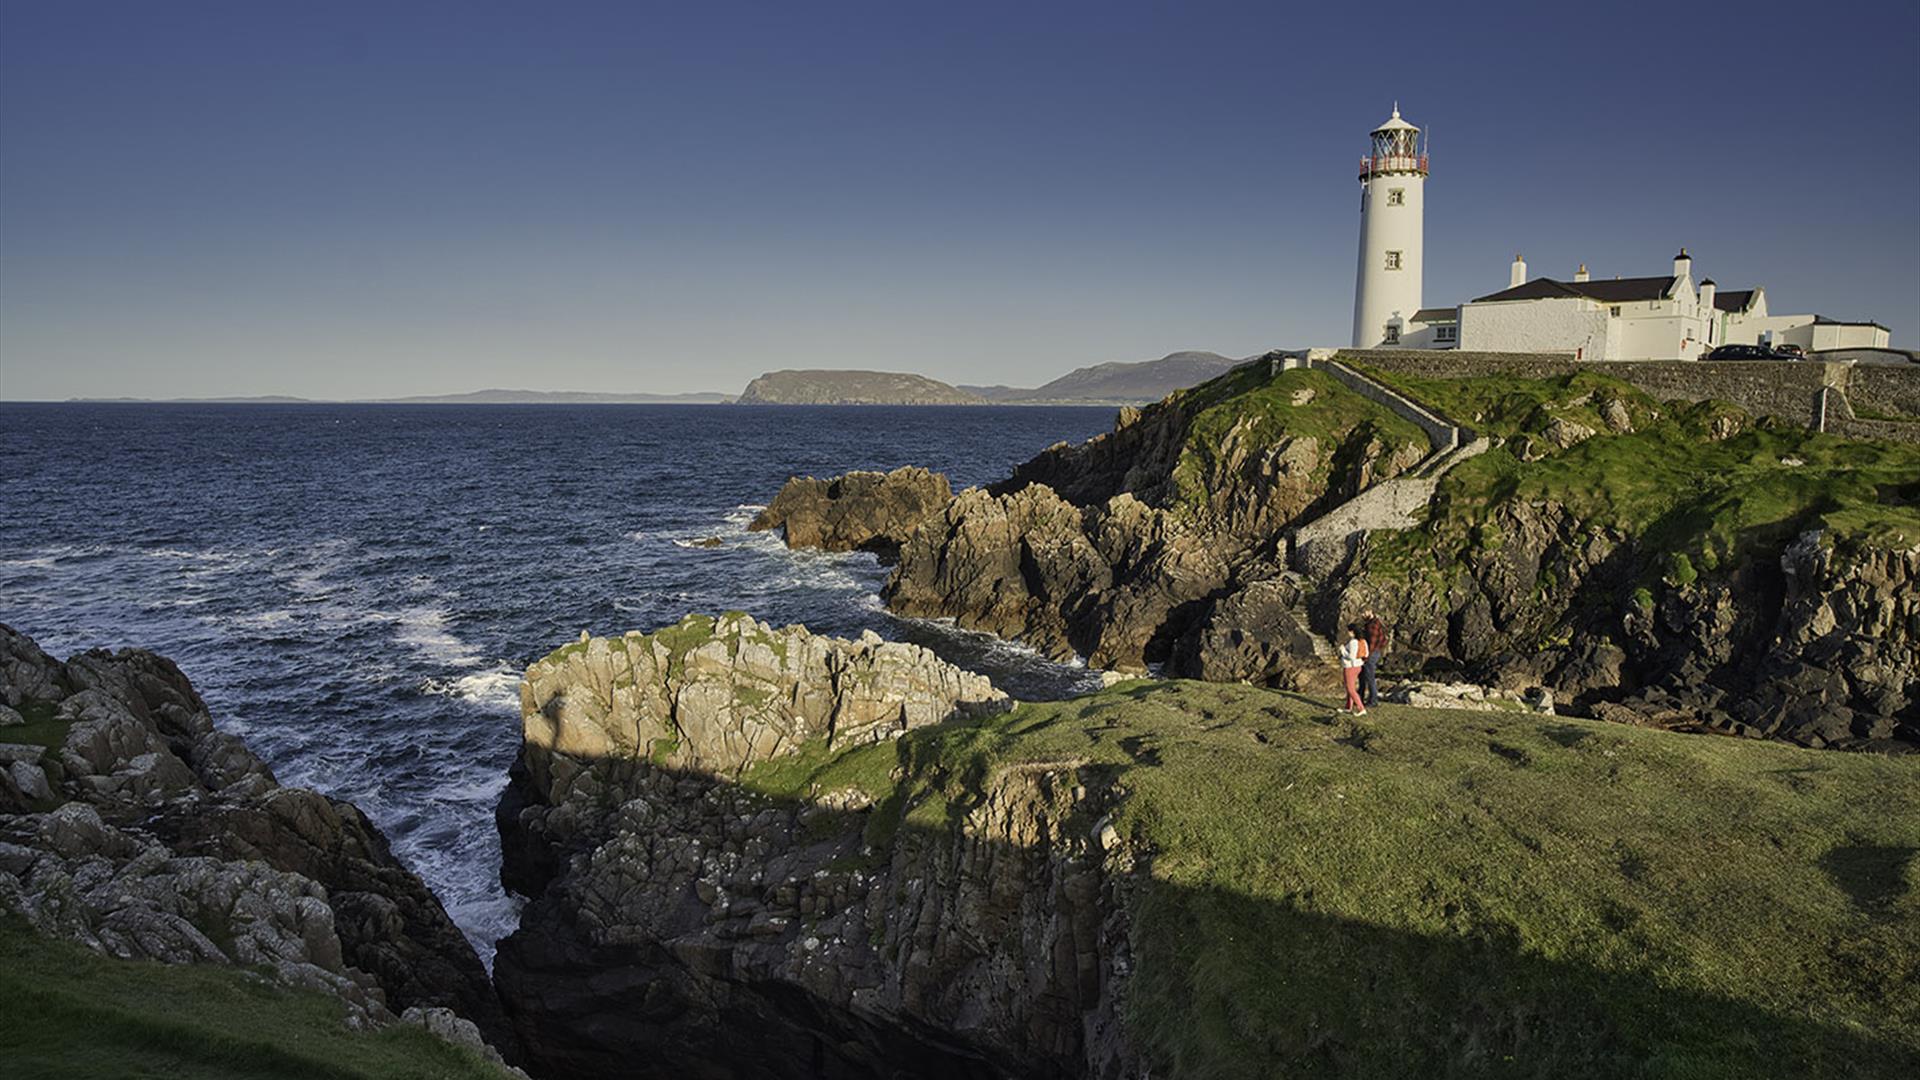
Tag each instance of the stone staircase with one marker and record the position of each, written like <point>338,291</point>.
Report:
<point>1319,546</point>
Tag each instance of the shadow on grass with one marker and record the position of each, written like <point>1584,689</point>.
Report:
<point>1223,985</point>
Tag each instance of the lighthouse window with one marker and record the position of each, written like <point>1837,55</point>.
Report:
<point>1393,260</point>
<point>1396,197</point>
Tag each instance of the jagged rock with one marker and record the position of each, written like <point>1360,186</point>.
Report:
<point>1258,634</point>
<point>673,911</point>
<point>864,511</point>
<point>26,672</point>
<point>1615,415</point>
<point>170,840</point>
<point>10,718</point>
<point>718,695</point>
<point>1566,434</point>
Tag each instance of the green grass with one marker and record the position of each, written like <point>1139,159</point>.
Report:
<point>1445,893</point>
<point>1262,407</point>
<point>41,729</point>
<point>70,1012</point>
<point>1702,505</point>
<point>1506,407</point>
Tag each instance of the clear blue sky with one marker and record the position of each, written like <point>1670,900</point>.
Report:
<point>330,199</point>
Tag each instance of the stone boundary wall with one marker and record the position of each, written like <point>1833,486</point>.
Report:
<point>1443,435</point>
<point>1839,418</point>
<point>1788,391</point>
<point>1886,389</point>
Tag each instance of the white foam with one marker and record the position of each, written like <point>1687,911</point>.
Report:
<point>499,689</point>
<point>424,629</point>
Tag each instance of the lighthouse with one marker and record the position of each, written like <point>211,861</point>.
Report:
<point>1393,182</point>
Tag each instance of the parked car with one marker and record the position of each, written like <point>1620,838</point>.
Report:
<point>1790,352</point>
<point>1743,352</point>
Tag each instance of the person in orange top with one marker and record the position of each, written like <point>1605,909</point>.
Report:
<point>1353,656</point>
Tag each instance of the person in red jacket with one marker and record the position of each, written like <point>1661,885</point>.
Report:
<point>1375,634</point>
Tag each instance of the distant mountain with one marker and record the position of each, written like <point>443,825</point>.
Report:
<point>558,397</point>
<point>852,388</point>
<point>1121,383</point>
<point>995,394</point>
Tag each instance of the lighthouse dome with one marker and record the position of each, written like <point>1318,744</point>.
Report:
<point>1394,123</point>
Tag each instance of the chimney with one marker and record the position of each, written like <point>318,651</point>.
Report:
<point>1580,274</point>
<point>1519,274</point>
<point>1683,264</point>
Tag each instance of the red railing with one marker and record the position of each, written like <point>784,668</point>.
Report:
<point>1371,164</point>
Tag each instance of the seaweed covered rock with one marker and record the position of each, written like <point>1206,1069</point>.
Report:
<point>129,823</point>
<point>858,511</point>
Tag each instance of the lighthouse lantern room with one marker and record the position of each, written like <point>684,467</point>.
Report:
<point>1393,182</point>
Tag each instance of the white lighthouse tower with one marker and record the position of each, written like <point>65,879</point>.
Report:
<point>1393,183</point>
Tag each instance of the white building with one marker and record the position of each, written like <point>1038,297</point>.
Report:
<point>1640,318</point>
<point>1741,319</point>
<point>1393,183</point>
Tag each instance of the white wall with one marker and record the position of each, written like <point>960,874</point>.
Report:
<point>1848,336</point>
<point>1568,324</point>
<point>1380,294</point>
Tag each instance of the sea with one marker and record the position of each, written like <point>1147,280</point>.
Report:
<point>356,589</point>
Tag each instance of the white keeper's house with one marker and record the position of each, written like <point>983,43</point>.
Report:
<point>1667,317</point>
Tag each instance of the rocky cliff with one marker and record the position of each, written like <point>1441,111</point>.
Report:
<point>819,387</point>
<point>1675,564</point>
<point>864,511</point>
<point>698,871</point>
<point>130,824</point>
<point>1107,887</point>
<point>1115,549</point>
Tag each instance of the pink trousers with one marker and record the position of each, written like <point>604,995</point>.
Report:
<point>1352,675</point>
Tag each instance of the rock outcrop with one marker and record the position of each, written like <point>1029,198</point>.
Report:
<point>1117,549</point>
<point>685,924</point>
<point>858,511</point>
<point>1819,645</point>
<point>129,823</point>
<point>1217,534</point>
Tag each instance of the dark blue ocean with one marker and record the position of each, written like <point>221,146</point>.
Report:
<point>356,588</point>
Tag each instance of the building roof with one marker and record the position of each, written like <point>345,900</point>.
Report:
<point>1436,314</point>
<point>1619,290</point>
<point>1734,299</point>
<point>1394,123</point>
<point>1822,320</point>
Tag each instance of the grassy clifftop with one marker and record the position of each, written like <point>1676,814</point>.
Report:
<point>1441,893</point>
<point>1702,482</point>
<point>73,1013</point>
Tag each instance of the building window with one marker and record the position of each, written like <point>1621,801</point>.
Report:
<point>1397,197</point>
<point>1393,334</point>
<point>1445,333</point>
<point>1614,311</point>
<point>1393,260</point>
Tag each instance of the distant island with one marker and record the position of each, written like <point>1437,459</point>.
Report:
<point>819,387</point>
